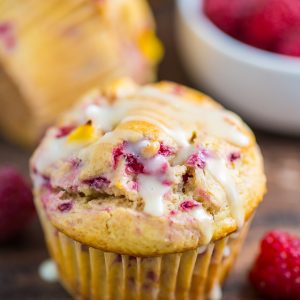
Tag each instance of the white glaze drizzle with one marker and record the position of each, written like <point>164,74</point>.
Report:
<point>54,150</point>
<point>152,192</point>
<point>149,101</point>
<point>177,134</point>
<point>145,105</point>
<point>150,185</point>
<point>184,153</point>
<point>155,164</point>
<point>105,116</point>
<point>137,147</point>
<point>100,116</point>
<point>218,169</point>
<point>213,119</point>
<point>206,220</point>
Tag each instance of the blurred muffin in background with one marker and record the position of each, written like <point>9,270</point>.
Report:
<point>51,51</point>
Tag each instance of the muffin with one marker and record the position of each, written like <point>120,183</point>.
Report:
<point>51,51</point>
<point>146,192</point>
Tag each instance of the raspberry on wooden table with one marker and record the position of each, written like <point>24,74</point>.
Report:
<point>16,203</point>
<point>276,272</point>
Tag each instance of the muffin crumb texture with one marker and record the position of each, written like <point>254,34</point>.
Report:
<point>148,170</point>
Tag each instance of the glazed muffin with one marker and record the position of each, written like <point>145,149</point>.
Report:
<point>146,192</point>
<point>52,51</point>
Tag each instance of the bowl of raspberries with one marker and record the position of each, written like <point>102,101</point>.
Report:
<point>246,53</point>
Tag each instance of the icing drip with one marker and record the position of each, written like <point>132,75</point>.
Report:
<point>151,184</point>
<point>184,153</point>
<point>152,192</point>
<point>177,134</point>
<point>137,147</point>
<point>105,117</point>
<point>206,221</point>
<point>147,104</point>
<point>100,116</point>
<point>156,165</point>
<point>220,123</point>
<point>53,151</point>
<point>183,118</point>
<point>222,129</point>
<point>214,120</point>
<point>219,171</point>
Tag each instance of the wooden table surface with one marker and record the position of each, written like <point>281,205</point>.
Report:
<point>19,261</point>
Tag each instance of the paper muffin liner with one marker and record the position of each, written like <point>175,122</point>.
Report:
<point>89,273</point>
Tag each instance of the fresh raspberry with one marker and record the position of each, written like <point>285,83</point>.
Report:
<point>273,18</point>
<point>276,272</point>
<point>16,203</point>
<point>227,15</point>
<point>265,24</point>
<point>289,43</point>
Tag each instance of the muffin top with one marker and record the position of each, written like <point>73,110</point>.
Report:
<point>148,170</point>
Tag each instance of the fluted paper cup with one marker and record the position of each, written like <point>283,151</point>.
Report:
<point>89,273</point>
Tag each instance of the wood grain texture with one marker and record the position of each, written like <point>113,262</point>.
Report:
<point>19,261</point>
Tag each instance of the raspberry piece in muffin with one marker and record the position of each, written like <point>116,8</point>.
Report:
<point>64,131</point>
<point>198,159</point>
<point>188,204</point>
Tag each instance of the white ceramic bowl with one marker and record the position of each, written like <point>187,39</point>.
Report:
<point>263,87</point>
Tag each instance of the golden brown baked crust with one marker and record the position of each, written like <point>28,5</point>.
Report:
<point>148,170</point>
<point>52,51</point>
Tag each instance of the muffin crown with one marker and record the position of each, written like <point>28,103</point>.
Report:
<point>148,170</point>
